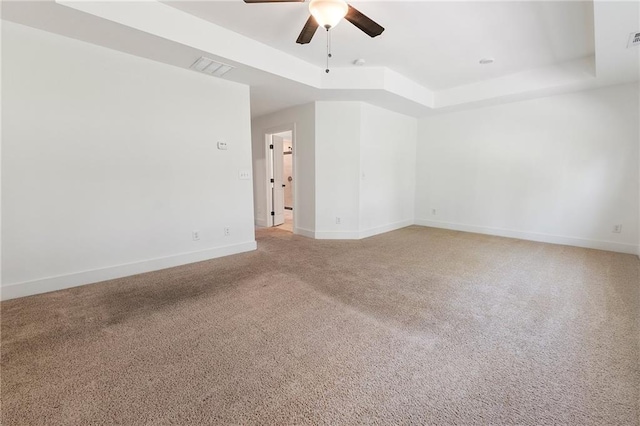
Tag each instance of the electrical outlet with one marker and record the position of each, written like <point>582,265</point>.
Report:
<point>433,212</point>
<point>227,231</point>
<point>337,220</point>
<point>195,235</point>
<point>617,229</point>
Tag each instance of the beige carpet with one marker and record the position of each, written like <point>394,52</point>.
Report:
<point>417,326</point>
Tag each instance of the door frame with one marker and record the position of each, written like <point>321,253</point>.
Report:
<point>288,127</point>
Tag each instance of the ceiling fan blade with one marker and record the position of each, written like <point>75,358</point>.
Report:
<point>308,31</point>
<point>273,1</point>
<point>367,25</point>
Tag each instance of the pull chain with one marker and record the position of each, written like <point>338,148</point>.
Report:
<point>328,49</point>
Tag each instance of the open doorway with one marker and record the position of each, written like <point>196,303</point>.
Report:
<point>280,171</point>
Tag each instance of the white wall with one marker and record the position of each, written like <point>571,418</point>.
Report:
<point>560,169</point>
<point>335,142</point>
<point>110,161</point>
<point>365,170</point>
<point>302,120</point>
<point>387,170</point>
<point>338,169</point>
<point>1,132</point>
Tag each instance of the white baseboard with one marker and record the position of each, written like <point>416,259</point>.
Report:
<point>357,235</point>
<point>304,232</point>
<point>337,235</point>
<point>534,236</point>
<point>45,285</point>
<point>385,228</point>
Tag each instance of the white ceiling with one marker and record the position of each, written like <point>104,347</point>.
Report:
<point>425,62</point>
<point>436,44</point>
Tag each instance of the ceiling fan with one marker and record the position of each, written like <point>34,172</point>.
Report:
<point>328,13</point>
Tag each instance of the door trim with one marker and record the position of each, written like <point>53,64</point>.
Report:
<point>286,127</point>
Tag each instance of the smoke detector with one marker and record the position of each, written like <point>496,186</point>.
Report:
<point>359,62</point>
<point>209,66</point>
<point>634,40</point>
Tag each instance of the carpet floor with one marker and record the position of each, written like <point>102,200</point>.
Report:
<point>416,326</point>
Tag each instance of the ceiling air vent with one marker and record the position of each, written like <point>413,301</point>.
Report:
<point>209,66</point>
<point>634,40</point>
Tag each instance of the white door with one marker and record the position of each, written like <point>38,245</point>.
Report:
<point>278,183</point>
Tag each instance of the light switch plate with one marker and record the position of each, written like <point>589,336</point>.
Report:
<point>222,145</point>
<point>244,174</point>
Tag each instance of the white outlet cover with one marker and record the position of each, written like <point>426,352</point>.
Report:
<point>244,174</point>
<point>222,146</point>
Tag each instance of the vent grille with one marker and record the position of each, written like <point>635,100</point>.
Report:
<point>634,40</point>
<point>209,66</point>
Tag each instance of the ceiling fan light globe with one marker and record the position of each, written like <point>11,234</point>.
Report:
<point>328,13</point>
